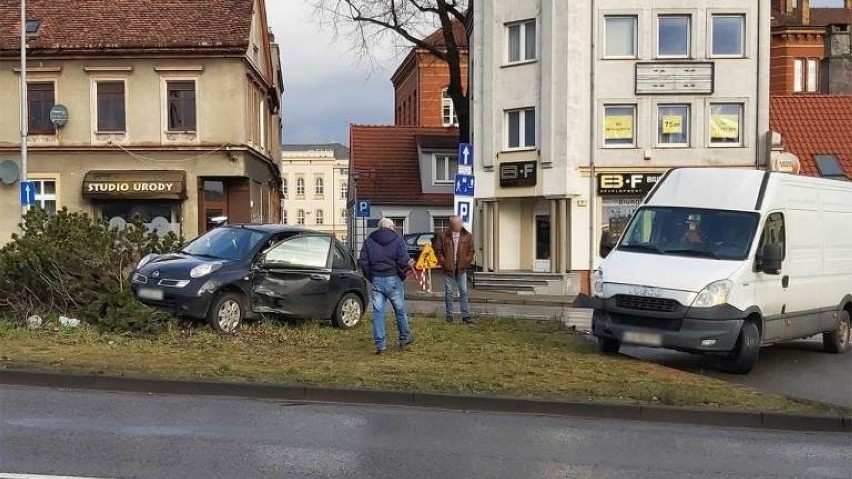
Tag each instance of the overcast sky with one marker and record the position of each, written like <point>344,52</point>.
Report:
<point>325,86</point>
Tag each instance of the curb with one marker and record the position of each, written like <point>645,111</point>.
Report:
<point>588,410</point>
<point>517,302</point>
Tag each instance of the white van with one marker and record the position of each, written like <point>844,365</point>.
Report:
<point>725,261</point>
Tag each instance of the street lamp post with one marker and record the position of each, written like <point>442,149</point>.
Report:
<point>24,109</point>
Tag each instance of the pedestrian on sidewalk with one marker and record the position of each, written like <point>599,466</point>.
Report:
<point>384,260</point>
<point>454,249</point>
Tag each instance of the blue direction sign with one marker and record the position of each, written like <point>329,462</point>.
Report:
<point>363,210</point>
<point>464,186</point>
<point>28,193</point>
<point>466,157</point>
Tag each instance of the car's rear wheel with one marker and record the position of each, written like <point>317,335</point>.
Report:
<point>744,356</point>
<point>348,313</point>
<point>609,346</point>
<point>837,341</point>
<point>226,315</point>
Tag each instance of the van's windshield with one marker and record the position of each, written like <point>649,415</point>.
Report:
<point>704,233</point>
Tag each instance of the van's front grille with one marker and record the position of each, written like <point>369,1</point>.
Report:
<point>642,303</point>
<point>646,322</point>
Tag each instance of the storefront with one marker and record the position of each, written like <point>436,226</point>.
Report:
<point>154,197</point>
<point>620,196</point>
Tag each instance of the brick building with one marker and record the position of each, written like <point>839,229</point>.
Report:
<point>798,44</point>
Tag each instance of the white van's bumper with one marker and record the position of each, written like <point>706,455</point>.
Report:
<point>687,329</point>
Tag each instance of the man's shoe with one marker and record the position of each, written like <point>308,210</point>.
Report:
<point>379,352</point>
<point>469,320</point>
<point>404,346</point>
<point>449,318</point>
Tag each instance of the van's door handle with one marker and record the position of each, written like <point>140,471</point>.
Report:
<point>317,277</point>
<point>785,281</point>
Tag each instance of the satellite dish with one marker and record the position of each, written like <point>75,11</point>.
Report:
<point>160,225</point>
<point>9,172</point>
<point>117,223</point>
<point>59,115</point>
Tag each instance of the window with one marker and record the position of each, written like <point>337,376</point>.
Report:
<point>284,187</point>
<point>829,167</point>
<point>284,217</point>
<point>344,190</point>
<point>300,187</point>
<point>45,195</point>
<point>522,41</point>
<point>448,110</point>
<point>521,128</point>
<point>728,35</point>
<point>40,99</point>
<point>343,216</point>
<point>340,259</point>
<point>774,233</point>
<point>813,75</point>
<point>320,218</point>
<point>620,39</point>
<point>399,224</point>
<point>619,125</point>
<point>446,167</point>
<point>301,252</point>
<point>726,124</point>
<point>673,36</point>
<point>262,122</point>
<point>300,217</point>
<point>181,105</point>
<point>798,75</point>
<point>673,125</point>
<point>440,224</point>
<point>111,109</point>
<point>31,27</point>
<point>319,187</point>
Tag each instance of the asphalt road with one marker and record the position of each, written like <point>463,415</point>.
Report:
<point>798,369</point>
<point>111,435</point>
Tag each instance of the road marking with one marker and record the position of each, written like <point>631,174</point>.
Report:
<point>34,476</point>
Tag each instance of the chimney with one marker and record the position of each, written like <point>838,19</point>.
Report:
<point>806,11</point>
<point>847,4</point>
<point>837,66</point>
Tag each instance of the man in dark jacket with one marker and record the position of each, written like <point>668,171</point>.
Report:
<point>455,251</point>
<point>385,262</point>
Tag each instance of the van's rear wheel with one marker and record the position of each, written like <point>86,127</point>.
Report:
<point>609,346</point>
<point>744,356</point>
<point>837,341</point>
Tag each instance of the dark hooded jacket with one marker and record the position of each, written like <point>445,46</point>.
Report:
<point>384,255</point>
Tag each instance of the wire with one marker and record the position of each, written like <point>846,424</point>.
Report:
<point>155,160</point>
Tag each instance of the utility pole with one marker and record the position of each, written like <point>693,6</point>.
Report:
<point>24,106</point>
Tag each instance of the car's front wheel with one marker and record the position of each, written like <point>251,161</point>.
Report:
<point>226,314</point>
<point>348,313</point>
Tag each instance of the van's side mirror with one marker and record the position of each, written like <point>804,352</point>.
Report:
<point>607,244</point>
<point>771,258</point>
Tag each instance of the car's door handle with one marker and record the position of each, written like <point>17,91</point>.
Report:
<point>785,281</point>
<point>318,277</point>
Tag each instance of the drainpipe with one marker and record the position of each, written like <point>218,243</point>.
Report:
<point>761,151</point>
<point>592,123</point>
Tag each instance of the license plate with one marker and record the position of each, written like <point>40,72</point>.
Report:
<point>644,339</point>
<point>151,294</point>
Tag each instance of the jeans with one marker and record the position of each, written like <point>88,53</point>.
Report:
<point>384,290</point>
<point>450,284</point>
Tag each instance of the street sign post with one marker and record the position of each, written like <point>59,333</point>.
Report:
<point>363,210</point>
<point>463,202</point>
<point>466,158</point>
<point>28,193</point>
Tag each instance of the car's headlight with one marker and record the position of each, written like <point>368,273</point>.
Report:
<point>204,269</point>
<point>147,259</point>
<point>713,295</point>
<point>598,284</point>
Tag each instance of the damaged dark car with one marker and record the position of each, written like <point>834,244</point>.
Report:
<point>239,272</point>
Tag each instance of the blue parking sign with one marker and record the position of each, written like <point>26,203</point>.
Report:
<point>363,210</point>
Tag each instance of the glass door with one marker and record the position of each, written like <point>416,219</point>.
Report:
<point>542,244</point>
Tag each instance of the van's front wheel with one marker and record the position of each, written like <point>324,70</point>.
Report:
<point>837,341</point>
<point>744,355</point>
<point>609,346</point>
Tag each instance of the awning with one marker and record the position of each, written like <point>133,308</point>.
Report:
<point>135,184</point>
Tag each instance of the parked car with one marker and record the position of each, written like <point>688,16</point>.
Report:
<point>724,261</point>
<point>238,271</point>
<point>414,242</point>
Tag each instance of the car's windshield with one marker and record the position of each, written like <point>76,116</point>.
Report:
<point>702,233</point>
<point>225,243</point>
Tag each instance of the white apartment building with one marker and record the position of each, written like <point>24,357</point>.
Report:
<point>580,106</point>
<point>315,187</point>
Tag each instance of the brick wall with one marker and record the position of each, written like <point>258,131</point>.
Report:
<point>785,49</point>
<point>419,89</point>
<point>405,94</point>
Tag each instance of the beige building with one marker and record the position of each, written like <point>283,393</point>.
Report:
<point>173,117</point>
<point>315,186</point>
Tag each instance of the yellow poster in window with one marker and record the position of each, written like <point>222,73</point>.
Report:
<point>618,127</point>
<point>672,125</point>
<point>725,127</point>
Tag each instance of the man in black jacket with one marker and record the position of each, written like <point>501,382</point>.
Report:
<point>385,262</point>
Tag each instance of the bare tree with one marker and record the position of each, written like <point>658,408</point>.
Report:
<point>371,21</point>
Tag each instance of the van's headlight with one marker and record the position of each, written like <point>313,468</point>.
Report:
<point>204,269</point>
<point>598,284</point>
<point>713,295</point>
<point>147,259</point>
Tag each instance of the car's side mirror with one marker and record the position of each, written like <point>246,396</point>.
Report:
<point>771,258</point>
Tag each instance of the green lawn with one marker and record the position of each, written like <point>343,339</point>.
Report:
<point>526,359</point>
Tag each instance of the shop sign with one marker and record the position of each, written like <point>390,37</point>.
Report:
<point>130,184</point>
<point>626,184</point>
<point>132,187</point>
<point>520,173</point>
